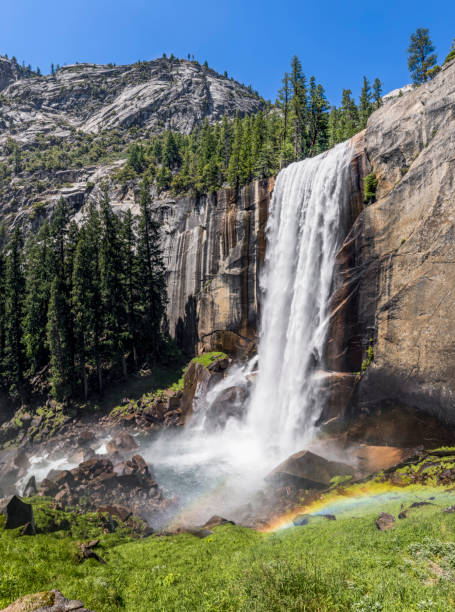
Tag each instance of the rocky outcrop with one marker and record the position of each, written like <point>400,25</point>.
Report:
<point>158,95</point>
<point>398,262</point>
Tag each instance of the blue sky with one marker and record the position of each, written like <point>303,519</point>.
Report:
<point>337,40</point>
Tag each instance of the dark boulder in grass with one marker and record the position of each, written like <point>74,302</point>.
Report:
<point>306,470</point>
<point>385,521</point>
<point>18,514</point>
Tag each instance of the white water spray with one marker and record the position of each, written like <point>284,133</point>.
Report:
<point>305,231</point>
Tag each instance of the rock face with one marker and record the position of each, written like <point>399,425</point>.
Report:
<point>214,248</point>
<point>398,261</point>
<point>161,94</point>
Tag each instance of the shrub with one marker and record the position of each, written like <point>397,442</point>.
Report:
<point>370,184</point>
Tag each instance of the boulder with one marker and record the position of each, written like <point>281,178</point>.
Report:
<point>230,403</point>
<point>123,442</point>
<point>30,488</point>
<point>216,521</point>
<point>49,601</point>
<point>385,521</point>
<point>18,513</point>
<point>306,470</point>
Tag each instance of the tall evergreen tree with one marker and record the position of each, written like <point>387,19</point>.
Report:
<point>39,272</point>
<point>377,93</point>
<point>13,362</point>
<point>60,341</point>
<point>365,106</point>
<point>421,56</point>
<point>299,107</point>
<point>110,280</point>
<point>317,119</point>
<point>150,277</point>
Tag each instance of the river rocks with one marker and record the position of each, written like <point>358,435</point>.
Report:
<point>49,601</point>
<point>306,470</point>
<point>385,521</point>
<point>97,483</point>
<point>19,514</point>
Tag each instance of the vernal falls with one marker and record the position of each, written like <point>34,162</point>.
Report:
<point>216,467</point>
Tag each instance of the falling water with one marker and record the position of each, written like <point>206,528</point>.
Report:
<point>305,230</point>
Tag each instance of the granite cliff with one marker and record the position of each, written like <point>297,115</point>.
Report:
<point>397,262</point>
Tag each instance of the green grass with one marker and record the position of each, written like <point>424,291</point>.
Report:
<point>345,564</point>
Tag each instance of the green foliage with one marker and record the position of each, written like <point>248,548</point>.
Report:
<point>421,56</point>
<point>451,54</point>
<point>369,358</point>
<point>343,565</point>
<point>370,185</point>
<point>81,300</point>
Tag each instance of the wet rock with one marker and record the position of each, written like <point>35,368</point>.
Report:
<point>18,513</point>
<point>123,442</point>
<point>30,488</point>
<point>86,436</point>
<point>230,403</point>
<point>385,521</point>
<point>421,504</point>
<point>301,519</point>
<point>306,470</point>
<point>216,521</point>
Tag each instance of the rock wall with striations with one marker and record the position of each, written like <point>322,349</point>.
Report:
<point>213,248</point>
<point>398,262</point>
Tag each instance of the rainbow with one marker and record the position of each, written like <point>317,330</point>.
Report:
<point>360,498</point>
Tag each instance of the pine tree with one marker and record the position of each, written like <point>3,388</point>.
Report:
<point>128,238</point>
<point>365,106</point>
<point>377,93</point>
<point>86,300</point>
<point>299,108</point>
<point>349,115</point>
<point>60,341</point>
<point>283,102</point>
<point>110,279</point>
<point>38,281</point>
<point>421,56</point>
<point>150,280</point>
<point>234,167</point>
<point>451,55</point>
<point>13,362</point>
<point>317,119</point>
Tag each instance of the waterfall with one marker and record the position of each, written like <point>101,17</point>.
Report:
<point>304,232</point>
<point>222,465</point>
